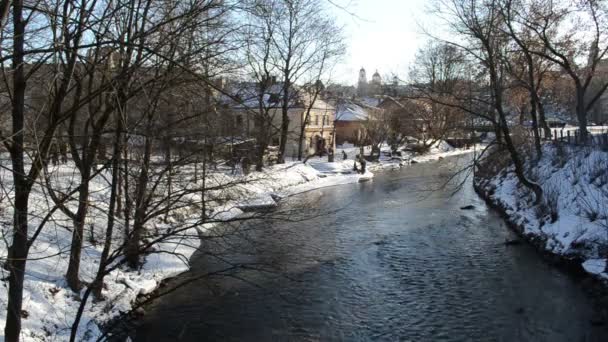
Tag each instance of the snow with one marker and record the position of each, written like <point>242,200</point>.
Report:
<point>350,111</point>
<point>574,181</point>
<point>595,266</point>
<point>51,306</point>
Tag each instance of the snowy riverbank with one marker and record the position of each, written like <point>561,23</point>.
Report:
<point>572,223</point>
<point>50,307</point>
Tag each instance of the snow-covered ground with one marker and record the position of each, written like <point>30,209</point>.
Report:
<point>51,307</point>
<point>439,150</point>
<point>573,220</point>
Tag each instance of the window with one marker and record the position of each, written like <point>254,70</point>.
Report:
<point>316,120</point>
<point>239,120</point>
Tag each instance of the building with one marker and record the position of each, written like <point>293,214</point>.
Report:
<point>351,117</point>
<point>362,86</point>
<point>313,121</point>
<point>377,86</point>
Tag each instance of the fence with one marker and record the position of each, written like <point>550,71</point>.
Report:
<point>572,136</point>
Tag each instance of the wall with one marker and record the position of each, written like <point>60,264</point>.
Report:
<point>347,131</point>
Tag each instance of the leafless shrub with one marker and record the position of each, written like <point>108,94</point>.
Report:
<point>598,172</point>
<point>593,205</point>
<point>560,156</point>
<point>493,163</point>
<point>575,170</point>
<point>549,208</point>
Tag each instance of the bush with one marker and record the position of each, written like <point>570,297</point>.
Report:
<point>593,205</point>
<point>560,157</point>
<point>598,174</point>
<point>495,161</point>
<point>550,205</point>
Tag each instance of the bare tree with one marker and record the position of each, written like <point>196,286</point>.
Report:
<point>578,50</point>
<point>480,25</point>
<point>440,82</point>
<point>297,46</point>
<point>99,55</point>
<point>69,42</point>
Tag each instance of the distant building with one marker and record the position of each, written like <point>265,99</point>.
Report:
<point>362,86</point>
<point>351,116</point>
<point>377,86</point>
<point>318,134</point>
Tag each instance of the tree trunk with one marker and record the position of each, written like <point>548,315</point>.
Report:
<point>119,190</point>
<point>262,143</point>
<point>301,142</point>
<point>132,249</point>
<point>539,151</point>
<point>285,106</point>
<point>517,162</point>
<point>581,114</point>
<point>112,210</point>
<point>127,195</point>
<point>542,119</point>
<point>284,133</point>
<point>534,99</point>
<point>72,275</point>
<point>19,252</point>
<point>19,247</point>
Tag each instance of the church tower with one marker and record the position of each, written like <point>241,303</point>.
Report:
<point>377,79</point>
<point>375,88</point>
<point>362,85</point>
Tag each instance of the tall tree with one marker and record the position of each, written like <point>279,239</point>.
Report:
<point>297,45</point>
<point>578,49</point>
<point>479,24</point>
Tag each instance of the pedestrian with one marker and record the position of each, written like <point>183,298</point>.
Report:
<point>344,156</point>
<point>362,162</point>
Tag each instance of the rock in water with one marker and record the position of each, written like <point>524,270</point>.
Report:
<point>468,207</point>
<point>512,242</point>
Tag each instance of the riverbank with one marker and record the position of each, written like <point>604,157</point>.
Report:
<point>571,225</point>
<point>396,263</point>
<point>50,307</point>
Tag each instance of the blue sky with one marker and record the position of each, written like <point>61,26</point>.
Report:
<point>385,37</point>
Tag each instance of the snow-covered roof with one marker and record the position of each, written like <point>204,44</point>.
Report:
<point>350,111</point>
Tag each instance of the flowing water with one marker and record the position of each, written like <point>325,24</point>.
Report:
<point>396,262</point>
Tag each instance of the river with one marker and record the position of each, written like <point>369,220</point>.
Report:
<point>396,262</point>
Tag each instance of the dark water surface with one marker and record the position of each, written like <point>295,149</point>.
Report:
<point>397,263</point>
